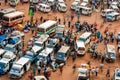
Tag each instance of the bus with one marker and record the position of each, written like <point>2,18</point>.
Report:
<point>48,27</point>
<point>6,11</point>
<point>85,37</point>
<point>13,18</point>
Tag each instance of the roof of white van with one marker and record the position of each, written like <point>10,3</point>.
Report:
<point>51,0</point>
<point>2,51</point>
<point>80,43</point>
<point>85,35</point>
<point>46,24</point>
<point>106,10</point>
<point>9,55</point>
<point>111,48</point>
<point>114,13</point>
<point>43,38</point>
<point>64,49</point>
<point>4,60</point>
<point>13,14</point>
<point>22,61</point>
<point>60,0</point>
<point>42,4</point>
<point>7,10</point>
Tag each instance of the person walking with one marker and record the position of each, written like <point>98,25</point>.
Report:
<point>69,24</point>
<point>96,71</point>
<point>34,70</point>
<point>74,68</point>
<point>61,70</point>
<point>101,67</point>
<point>93,71</point>
<point>103,58</point>
<point>39,69</point>
<point>6,2</point>
<point>108,73</point>
<point>74,56</point>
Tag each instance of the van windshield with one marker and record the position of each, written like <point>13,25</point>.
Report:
<point>15,70</point>
<point>6,19</point>
<point>81,48</point>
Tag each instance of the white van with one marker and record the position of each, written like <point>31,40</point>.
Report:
<point>110,53</point>
<point>113,16</point>
<point>14,2</point>
<point>105,12</point>
<point>80,47</point>
<point>86,11</point>
<point>85,37</point>
<point>75,4</point>
<point>62,7</point>
<point>44,7</point>
<point>20,67</point>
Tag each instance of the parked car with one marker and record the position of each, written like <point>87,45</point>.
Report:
<point>63,54</point>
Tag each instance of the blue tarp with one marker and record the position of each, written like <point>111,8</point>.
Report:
<point>3,37</point>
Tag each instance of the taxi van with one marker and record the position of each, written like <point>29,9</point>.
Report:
<point>63,54</point>
<point>105,12</point>
<point>113,16</point>
<point>6,62</point>
<point>19,68</point>
<point>86,11</point>
<point>80,47</point>
<point>44,7</point>
<point>110,53</point>
<point>62,7</point>
<point>75,4</point>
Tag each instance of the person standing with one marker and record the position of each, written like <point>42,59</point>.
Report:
<point>74,68</point>
<point>61,70</point>
<point>34,70</point>
<point>101,67</point>
<point>6,2</point>
<point>93,71</point>
<point>96,71</point>
<point>108,73</point>
<point>39,69</point>
<point>102,59</point>
<point>69,24</point>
